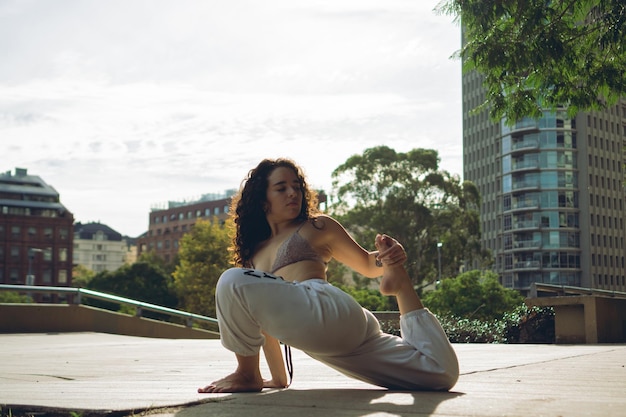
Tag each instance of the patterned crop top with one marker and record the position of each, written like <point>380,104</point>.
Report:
<point>295,249</point>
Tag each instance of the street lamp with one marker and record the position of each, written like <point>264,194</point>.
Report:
<point>30,278</point>
<point>439,245</point>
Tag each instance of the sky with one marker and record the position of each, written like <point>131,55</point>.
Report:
<point>124,105</point>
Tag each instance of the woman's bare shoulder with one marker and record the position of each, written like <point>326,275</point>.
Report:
<point>325,222</point>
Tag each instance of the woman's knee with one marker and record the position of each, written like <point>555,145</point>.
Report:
<point>225,284</point>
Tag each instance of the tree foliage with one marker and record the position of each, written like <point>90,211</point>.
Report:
<point>544,54</point>
<point>406,196</point>
<point>369,298</point>
<point>473,295</point>
<point>13,297</point>
<point>203,256</point>
<point>81,276</point>
<point>140,281</point>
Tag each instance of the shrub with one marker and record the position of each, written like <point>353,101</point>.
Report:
<point>522,325</point>
<point>13,297</point>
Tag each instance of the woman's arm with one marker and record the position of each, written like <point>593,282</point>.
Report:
<point>346,250</point>
<point>342,246</point>
<point>274,359</point>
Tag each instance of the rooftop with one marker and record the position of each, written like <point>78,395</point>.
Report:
<point>96,373</point>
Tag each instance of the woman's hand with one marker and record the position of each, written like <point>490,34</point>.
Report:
<point>390,251</point>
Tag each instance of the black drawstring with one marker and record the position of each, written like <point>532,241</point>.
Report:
<point>289,362</point>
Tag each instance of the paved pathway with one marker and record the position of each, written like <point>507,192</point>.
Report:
<point>94,373</point>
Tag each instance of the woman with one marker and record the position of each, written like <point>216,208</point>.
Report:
<point>280,293</point>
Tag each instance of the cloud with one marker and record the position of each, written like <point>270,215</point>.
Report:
<point>122,104</point>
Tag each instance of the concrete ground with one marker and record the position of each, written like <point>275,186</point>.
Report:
<point>82,374</point>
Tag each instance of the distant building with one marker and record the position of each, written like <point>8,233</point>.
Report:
<point>553,197</point>
<point>35,233</point>
<point>131,250</point>
<point>168,225</point>
<point>98,247</point>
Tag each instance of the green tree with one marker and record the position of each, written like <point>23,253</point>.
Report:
<point>473,294</point>
<point>159,262</point>
<point>12,297</point>
<point>203,256</point>
<point>544,54</point>
<point>369,298</point>
<point>140,281</point>
<point>81,276</point>
<point>406,196</point>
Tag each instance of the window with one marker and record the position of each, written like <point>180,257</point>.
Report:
<point>46,276</point>
<point>62,276</point>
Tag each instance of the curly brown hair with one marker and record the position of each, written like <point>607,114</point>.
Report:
<point>247,208</point>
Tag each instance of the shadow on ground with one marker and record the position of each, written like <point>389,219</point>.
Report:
<point>323,402</point>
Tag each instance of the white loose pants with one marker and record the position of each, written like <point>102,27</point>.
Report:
<point>330,326</point>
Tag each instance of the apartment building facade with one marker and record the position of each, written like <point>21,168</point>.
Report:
<point>36,233</point>
<point>168,224</point>
<point>552,192</point>
<point>98,247</point>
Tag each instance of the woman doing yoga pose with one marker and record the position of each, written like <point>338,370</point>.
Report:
<point>279,293</point>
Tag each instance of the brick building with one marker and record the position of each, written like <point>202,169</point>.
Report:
<point>168,225</point>
<point>36,233</point>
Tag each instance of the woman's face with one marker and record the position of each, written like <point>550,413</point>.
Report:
<point>284,194</point>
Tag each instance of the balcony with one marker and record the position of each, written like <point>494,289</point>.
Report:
<point>524,145</point>
<point>525,185</point>
<point>525,166</point>
<point>526,204</point>
<point>526,224</point>
<point>527,265</point>
<point>527,244</point>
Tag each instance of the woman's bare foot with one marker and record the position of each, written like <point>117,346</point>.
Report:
<point>395,276</point>
<point>397,282</point>
<point>235,382</point>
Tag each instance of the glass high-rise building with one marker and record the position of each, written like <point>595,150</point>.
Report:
<point>553,193</point>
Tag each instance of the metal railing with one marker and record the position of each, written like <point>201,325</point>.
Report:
<point>564,290</point>
<point>81,293</point>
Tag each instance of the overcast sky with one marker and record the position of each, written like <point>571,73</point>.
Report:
<point>122,105</point>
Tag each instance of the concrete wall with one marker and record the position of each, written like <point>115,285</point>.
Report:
<point>61,318</point>
<point>586,318</point>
